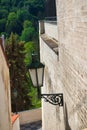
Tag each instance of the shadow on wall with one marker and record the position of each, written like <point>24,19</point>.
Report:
<point>67,127</point>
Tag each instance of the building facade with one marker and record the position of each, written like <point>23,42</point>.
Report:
<point>5,103</point>
<point>63,50</point>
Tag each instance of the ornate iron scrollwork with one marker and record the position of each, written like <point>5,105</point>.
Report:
<point>54,99</point>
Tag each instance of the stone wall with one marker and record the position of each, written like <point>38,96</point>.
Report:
<point>5,108</point>
<point>68,72</point>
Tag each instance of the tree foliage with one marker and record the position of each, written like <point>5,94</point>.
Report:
<point>19,20</point>
<point>13,24</point>
<point>29,32</point>
<point>3,13</point>
<point>29,48</point>
<point>17,11</point>
<point>2,24</point>
<point>19,56</point>
<point>16,56</point>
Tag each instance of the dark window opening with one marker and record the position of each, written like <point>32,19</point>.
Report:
<point>50,9</point>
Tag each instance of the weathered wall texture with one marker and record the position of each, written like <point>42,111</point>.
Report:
<point>51,29</point>
<point>68,74</point>
<point>72,36</point>
<point>5,109</point>
<point>30,116</point>
<point>50,113</point>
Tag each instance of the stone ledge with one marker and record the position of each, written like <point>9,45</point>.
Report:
<point>30,116</point>
<point>51,42</point>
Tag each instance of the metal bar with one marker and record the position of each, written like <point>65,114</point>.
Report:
<point>38,88</point>
<point>54,99</point>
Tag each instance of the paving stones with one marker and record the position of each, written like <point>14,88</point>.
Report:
<point>32,126</point>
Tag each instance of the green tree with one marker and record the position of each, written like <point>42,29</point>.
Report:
<point>3,13</point>
<point>27,24</point>
<point>30,47</point>
<point>17,11</point>
<point>16,56</point>
<point>22,15</point>
<point>2,24</point>
<point>35,7</point>
<point>5,4</point>
<point>28,33</point>
<point>13,24</point>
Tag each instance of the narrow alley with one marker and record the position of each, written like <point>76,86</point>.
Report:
<point>32,126</point>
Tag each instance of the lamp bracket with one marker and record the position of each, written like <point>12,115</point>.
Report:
<point>54,99</point>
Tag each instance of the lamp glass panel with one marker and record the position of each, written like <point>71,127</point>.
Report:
<point>40,76</point>
<point>33,76</point>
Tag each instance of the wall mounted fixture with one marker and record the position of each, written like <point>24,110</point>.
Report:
<point>54,99</point>
<point>36,71</point>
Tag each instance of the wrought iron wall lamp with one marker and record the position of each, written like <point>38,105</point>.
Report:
<point>36,71</point>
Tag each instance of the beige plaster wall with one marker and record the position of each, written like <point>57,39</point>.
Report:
<point>72,36</point>
<point>30,116</point>
<point>5,108</point>
<point>51,29</point>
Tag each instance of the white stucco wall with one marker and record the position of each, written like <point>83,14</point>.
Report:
<point>49,28</point>
<point>16,125</point>
<point>51,115</point>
